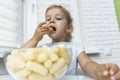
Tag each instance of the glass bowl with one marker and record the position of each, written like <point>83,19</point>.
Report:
<point>49,62</point>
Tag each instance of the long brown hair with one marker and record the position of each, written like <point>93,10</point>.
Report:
<point>68,18</point>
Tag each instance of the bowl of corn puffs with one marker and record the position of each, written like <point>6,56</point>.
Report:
<point>44,63</point>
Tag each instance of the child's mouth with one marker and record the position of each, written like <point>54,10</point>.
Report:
<point>52,29</point>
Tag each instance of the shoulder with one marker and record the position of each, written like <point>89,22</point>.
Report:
<point>78,47</point>
<point>67,44</point>
<point>73,44</point>
<point>45,44</point>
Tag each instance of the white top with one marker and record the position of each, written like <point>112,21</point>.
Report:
<point>76,50</point>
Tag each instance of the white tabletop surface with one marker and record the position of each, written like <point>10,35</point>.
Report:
<point>8,77</point>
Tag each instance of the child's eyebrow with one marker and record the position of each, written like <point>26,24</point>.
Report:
<point>47,16</point>
<point>59,14</point>
<point>56,15</point>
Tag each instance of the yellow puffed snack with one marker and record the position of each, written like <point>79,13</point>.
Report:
<point>64,53</point>
<point>52,55</point>
<point>28,54</point>
<point>11,66</point>
<point>56,50</point>
<point>25,78</point>
<point>15,52</point>
<point>48,64</point>
<point>56,66</point>
<point>64,68</point>
<point>45,63</point>
<point>22,73</point>
<point>35,76</point>
<point>42,57</point>
<point>10,63</point>
<point>17,61</point>
<point>36,67</point>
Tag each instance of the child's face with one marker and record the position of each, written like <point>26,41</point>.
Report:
<point>57,21</point>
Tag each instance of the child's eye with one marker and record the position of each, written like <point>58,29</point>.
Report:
<point>59,18</point>
<point>48,18</point>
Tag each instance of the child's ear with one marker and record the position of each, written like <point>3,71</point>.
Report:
<point>68,29</point>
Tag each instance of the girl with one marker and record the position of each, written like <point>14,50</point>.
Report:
<point>58,26</point>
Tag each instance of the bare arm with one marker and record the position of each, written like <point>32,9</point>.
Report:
<point>98,71</point>
<point>88,65</point>
<point>31,43</point>
<point>38,35</point>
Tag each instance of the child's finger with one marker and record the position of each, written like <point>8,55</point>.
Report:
<point>108,66</point>
<point>44,31</point>
<point>42,23</point>
<point>102,73</point>
<point>105,73</point>
<point>50,29</point>
<point>44,28</point>
<point>116,76</point>
<point>104,70</point>
<point>45,25</point>
<point>113,68</point>
<point>103,76</point>
<point>41,29</point>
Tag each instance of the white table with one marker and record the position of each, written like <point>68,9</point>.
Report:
<point>8,77</point>
<point>76,78</point>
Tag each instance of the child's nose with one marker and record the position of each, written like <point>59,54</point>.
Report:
<point>52,21</point>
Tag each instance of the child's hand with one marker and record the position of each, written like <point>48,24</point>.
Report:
<point>114,71</point>
<point>41,30</point>
<point>102,72</point>
<point>108,72</point>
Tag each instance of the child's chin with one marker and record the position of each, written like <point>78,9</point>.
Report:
<point>52,36</point>
<point>52,32</point>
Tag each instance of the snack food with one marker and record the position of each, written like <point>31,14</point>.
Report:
<point>45,63</point>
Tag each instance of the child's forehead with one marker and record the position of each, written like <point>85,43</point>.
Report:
<point>55,11</point>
